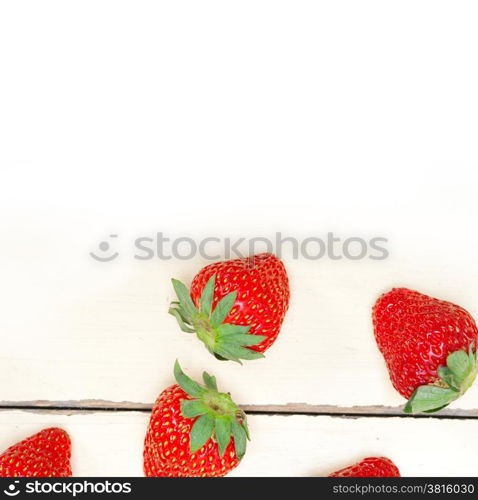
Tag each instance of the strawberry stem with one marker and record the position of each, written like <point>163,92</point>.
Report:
<point>225,341</point>
<point>453,381</point>
<point>216,414</point>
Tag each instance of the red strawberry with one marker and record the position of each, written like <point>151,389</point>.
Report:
<point>370,467</point>
<point>235,307</point>
<point>46,454</point>
<point>429,347</point>
<point>194,431</point>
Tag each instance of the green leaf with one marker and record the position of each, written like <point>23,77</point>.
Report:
<point>472,356</point>
<point>221,353</point>
<point>435,409</point>
<point>185,298</point>
<point>227,329</point>
<point>207,296</point>
<point>246,428</point>
<point>176,313</point>
<point>445,374</point>
<point>183,313</point>
<point>222,309</point>
<point>187,385</point>
<point>244,339</point>
<point>430,398</point>
<point>201,432</point>
<point>210,381</point>
<point>191,408</point>
<point>232,351</point>
<point>240,438</point>
<point>223,433</point>
<point>459,364</point>
<point>221,358</point>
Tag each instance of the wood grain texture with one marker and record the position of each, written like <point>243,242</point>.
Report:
<point>110,444</point>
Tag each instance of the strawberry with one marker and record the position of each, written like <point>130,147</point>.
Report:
<point>235,307</point>
<point>194,431</point>
<point>429,347</point>
<point>369,467</point>
<point>45,454</point>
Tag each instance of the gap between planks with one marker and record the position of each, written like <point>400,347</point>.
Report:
<point>96,405</point>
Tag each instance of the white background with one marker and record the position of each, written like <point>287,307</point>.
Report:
<point>229,119</point>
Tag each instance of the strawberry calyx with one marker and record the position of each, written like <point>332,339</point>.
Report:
<point>453,381</point>
<point>224,340</point>
<point>217,416</point>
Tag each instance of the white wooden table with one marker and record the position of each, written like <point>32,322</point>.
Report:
<point>299,129</point>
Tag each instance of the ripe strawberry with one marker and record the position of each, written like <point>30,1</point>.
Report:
<point>235,307</point>
<point>369,467</point>
<point>429,347</point>
<point>194,431</point>
<point>45,454</point>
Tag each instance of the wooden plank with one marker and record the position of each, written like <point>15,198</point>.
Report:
<point>74,329</point>
<point>110,443</point>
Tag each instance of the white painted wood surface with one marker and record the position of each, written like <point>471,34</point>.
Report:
<point>106,444</point>
<point>74,329</point>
